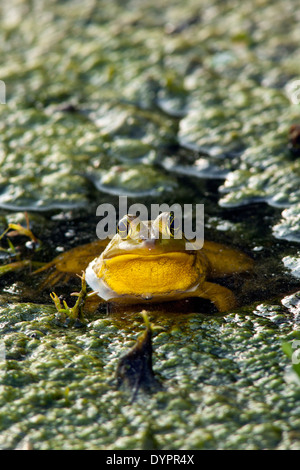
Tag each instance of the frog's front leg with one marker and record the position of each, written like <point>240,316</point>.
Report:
<point>222,297</point>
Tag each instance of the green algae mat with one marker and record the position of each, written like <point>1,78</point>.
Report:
<point>189,102</point>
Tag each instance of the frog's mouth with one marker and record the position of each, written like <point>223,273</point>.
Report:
<point>151,256</point>
<point>147,247</point>
<point>144,276</point>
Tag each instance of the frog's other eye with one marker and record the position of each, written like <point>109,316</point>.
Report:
<point>173,225</point>
<point>168,225</point>
<point>125,228</point>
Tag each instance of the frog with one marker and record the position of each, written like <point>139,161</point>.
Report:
<point>146,262</point>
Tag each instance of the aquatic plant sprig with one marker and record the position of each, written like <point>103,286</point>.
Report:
<point>292,351</point>
<point>150,326</point>
<point>6,268</point>
<point>12,230</point>
<point>77,311</point>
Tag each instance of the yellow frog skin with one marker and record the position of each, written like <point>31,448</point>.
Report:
<point>137,269</point>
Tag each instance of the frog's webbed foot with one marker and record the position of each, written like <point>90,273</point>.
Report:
<point>70,263</point>
<point>54,278</point>
<point>223,298</point>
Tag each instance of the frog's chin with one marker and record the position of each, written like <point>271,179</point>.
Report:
<point>106,293</point>
<point>96,283</point>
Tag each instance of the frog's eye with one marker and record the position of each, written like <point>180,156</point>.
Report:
<point>126,226</point>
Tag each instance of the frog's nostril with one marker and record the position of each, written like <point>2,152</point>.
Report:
<point>142,238</point>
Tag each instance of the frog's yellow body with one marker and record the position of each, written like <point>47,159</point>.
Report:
<point>137,269</point>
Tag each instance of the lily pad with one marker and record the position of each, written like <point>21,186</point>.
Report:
<point>47,155</point>
<point>196,166</point>
<point>288,228</point>
<point>233,121</point>
<point>133,180</point>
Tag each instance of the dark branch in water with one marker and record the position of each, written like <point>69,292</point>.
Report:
<point>134,371</point>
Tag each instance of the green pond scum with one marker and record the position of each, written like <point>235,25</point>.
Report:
<point>188,102</point>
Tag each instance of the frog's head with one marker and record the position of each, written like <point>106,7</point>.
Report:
<point>146,259</point>
<point>147,238</point>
